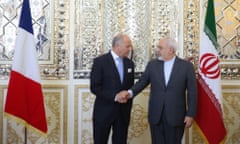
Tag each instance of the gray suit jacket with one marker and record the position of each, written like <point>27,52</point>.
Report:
<point>178,98</point>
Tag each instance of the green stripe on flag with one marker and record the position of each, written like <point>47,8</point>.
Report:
<point>210,23</point>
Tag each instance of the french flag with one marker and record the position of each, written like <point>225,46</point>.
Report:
<point>24,101</point>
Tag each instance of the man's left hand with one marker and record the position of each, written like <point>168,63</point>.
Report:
<point>188,121</point>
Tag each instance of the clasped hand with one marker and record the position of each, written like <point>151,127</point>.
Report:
<point>123,96</point>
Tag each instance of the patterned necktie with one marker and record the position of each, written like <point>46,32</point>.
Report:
<point>120,68</point>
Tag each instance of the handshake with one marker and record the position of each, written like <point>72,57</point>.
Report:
<point>122,96</point>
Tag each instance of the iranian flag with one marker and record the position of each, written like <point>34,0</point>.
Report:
<point>209,116</point>
<point>24,101</point>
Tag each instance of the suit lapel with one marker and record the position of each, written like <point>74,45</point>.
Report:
<point>174,70</point>
<point>161,71</point>
<point>125,67</point>
<point>113,66</point>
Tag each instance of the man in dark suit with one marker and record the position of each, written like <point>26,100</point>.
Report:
<point>112,73</point>
<point>173,95</point>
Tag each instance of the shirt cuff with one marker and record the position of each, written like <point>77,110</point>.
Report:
<point>130,92</point>
<point>115,99</point>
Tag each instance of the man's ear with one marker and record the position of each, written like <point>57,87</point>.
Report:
<point>172,50</point>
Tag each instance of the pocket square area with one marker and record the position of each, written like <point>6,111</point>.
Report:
<point>129,70</point>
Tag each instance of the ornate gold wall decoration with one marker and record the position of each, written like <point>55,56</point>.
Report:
<point>191,29</point>
<point>55,98</point>
<point>139,128</point>
<point>83,115</point>
<point>227,20</point>
<point>51,26</point>
<point>97,21</point>
<point>164,21</point>
<point>231,99</point>
<point>59,67</point>
<point>196,137</point>
<point>227,25</point>
<point>88,42</point>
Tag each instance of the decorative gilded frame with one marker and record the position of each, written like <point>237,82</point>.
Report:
<point>58,65</point>
<point>56,92</point>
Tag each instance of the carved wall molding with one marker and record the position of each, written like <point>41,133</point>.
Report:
<point>55,99</point>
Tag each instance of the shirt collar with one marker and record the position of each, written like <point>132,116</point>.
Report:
<point>171,60</point>
<point>114,55</point>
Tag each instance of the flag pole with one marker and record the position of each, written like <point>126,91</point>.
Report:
<point>25,136</point>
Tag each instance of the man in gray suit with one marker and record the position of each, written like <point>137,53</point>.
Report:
<point>173,96</point>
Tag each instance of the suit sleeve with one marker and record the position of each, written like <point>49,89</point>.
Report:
<point>191,91</point>
<point>96,78</point>
<point>142,82</point>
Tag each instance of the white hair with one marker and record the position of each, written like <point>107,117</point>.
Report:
<point>171,43</point>
<point>118,39</point>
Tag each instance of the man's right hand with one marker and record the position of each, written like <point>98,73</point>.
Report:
<point>122,97</point>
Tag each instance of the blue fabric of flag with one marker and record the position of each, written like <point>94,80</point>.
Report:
<point>26,18</point>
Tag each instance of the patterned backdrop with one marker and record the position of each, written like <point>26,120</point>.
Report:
<point>144,21</point>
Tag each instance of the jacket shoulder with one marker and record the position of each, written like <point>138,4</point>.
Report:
<point>154,61</point>
<point>101,57</point>
<point>128,60</point>
<point>184,60</point>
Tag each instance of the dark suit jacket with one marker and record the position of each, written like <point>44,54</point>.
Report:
<point>172,98</point>
<point>105,83</point>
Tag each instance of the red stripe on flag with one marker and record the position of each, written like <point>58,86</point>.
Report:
<point>208,117</point>
<point>25,101</point>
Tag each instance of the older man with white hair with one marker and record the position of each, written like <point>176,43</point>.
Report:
<point>173,95</point>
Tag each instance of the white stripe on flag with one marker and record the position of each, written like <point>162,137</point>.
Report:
<point>25,61</point>
<point>214,84</point>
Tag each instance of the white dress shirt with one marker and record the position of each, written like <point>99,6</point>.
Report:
<point>168,65</point>
<point>119,64</point>
<point>115,57</point>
